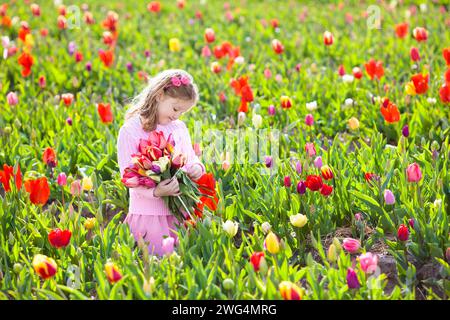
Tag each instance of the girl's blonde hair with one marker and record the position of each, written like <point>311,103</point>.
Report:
<point>146,102</point>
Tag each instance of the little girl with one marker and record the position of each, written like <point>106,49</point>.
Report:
<point>168,95</point>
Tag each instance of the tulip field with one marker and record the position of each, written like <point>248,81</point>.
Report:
<point>346,198</point>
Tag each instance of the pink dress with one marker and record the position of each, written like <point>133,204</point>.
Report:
<point>148,216</point>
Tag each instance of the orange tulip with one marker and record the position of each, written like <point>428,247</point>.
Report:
<point>401,30</point>
<point>49,157</point>
<point>112,272</point>
<point>105,113</point>
<point>44,266</point>
<point>242,88</point>
<point>38,189</point>
<point>107,57</point>
<point>374,69</point>
<point>389,111</point>
<point>7,173</point>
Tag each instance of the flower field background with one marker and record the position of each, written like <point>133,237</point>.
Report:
<point>357,207</point>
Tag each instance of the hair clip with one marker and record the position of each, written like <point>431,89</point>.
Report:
<point>178,81</point>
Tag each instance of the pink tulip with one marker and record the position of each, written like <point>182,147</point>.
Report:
<point>298,167</point>
<point>271,110</point>
<point>167,245</point>
<point>12,98</point>
<point>309,119</point>
<point>351,245</point>
<point>267,73</point>
<point>358,216</point>
<point>75,188</point>
<point>62,179</point>
<point>310,149</point>
<point>197,150</point>
<point>413,172</point>
<point>414,54</point>
<point>369,262</point>
<point>287,181</point>
<point>341,70</point>
<point>206,52</point>
<point>42,82</point>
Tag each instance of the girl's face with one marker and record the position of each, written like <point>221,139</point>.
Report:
<point>170,109</point>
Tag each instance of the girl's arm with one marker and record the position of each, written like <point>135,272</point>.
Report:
<point>126,146</point>
<point>192,159</point>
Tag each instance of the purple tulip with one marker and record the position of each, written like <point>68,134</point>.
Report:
<point>389,197</point>
<point>167,245</point>
<point>298,167</point>
<point>69,121</point>
<point>268,161</point>
<point>405,131</point>
<point>88,66</point>
<point>130,67</point>
<point>156,169</point>
<point>272,110</point>
<point>352,279</point>
<point>411,223</point>
<point>147,53</point>
<point>301,187</point>
<point>318,162</point>
<point>72,47</point>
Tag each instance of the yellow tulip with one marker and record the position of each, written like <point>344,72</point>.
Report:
<point>90,223</point>
<point>174,45</point>
<point>353,123</point>
<point>272,243</point>
<point>410,88</point>
<point>87,184</point>
<point>298,220</point>
<point>332,254</point>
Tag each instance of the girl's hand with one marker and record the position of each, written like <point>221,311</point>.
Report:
<point>194,172</point>
<point>168,187</point>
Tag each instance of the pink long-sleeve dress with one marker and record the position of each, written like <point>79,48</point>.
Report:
<point>148,216</point>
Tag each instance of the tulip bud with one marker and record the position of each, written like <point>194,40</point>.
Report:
<point>149,285</point>
<point>405,131</point>
<point>75,188</point>
<point>271,110</point>
<point>337,244</point>
<point>271,243</point>
<point>403,233</point>
<point>12,98</point>
<point>241,118</point>
<point>7,130</point>
<point>87,184</point>
<point>17,268</point>
<point>414,54</point>
<point>318,162</point>
<point>413,173</point>
<point>69,121</point>
<point>90,223</point>
<point>352,279</point>
<point>298,220</point>
<point>389,197</point>
<point>290,291</point>
<point>257,121</point>
<point>411,223</point>
<point>353,123</point>
<point>112,272</point>
<point>301,187</point>
<point>62,179</point>
<point>358,216</point>
<point>327,173</point>
<point>228,284</point>
<point>332,253</point>
<point>298,167</point>
<point>268,161</point>
<point>287,181</point>
<point>266,227</point>
<point>230,227</point>
<point>309,119</point>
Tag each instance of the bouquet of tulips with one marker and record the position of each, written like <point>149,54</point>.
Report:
<point>156,161</point>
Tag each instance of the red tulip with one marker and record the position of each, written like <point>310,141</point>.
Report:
<point>314,182</point>
<point>447,76</point>
<point>110,22</point>
<point>277,46</point>
<point>275,23</point>
<point>59,238</point>
<point>154,6</point>
<point>389,111</point>
<point>420,82</point>
<point>107,57</point>
<point>49,157</point>
<point>210,35</point>
<point>38,189</point>
<point>403,233</point>
<point>420,34</point>
<point>256,259</point>
<point>444,93</point>
<point>207,186</point>
<point>61,22</point>
<point>35,9</point>
<point>401,30</point>
<point>374,69</point>
<point>357,73</point>
<point>326,190</point>
<point>7,173</point>
<point>414,54</point>
<point>328,38</point>
<point>242,88</point>
<point>112,272</point>
<point>341,70</point>
<point>446,54</point>
<point>67,98</point>
<point>105,113</point>
<point>26,61</point>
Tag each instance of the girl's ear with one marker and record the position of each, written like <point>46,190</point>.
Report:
<point>159,96</point>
